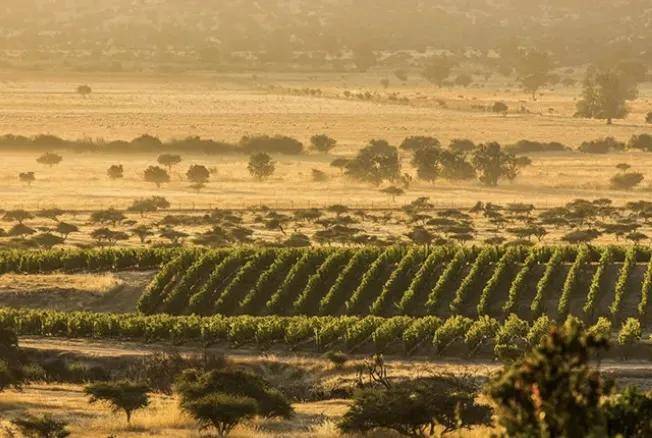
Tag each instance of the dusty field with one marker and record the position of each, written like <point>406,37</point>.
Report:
<point>227,107</point>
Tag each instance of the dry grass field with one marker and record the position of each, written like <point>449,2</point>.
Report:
<point>229,106</point>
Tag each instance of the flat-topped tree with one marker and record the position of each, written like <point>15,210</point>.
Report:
<point>47,240</point>
<point>142,232</point>
<point>393,191</point>
<point>17,215</point>
<point>340,163</point>
<point>156,175</point>
<point>27,178</point>
<point>110,215</point>
<point>169,160</point>
<point>49,159</point>
<point>105,236</point>
<point>120,396</point>
<point>66,229</point>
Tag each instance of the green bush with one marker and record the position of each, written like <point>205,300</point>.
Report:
<point>552,391</point>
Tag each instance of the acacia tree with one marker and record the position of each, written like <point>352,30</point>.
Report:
<point>375,163</point>
<point>491,164</point>
<point>605,95</point>
<point>49,159</point>
<point>120,396</point>
<point>261,166</point>
<point>169,160</point>
<point>533,70</point>
<point>156,175</point>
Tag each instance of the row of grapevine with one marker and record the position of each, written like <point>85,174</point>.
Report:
<point>622,283</point>
<point>396,281</point>
<point>572,282</point>
<point>597,287</point>
<point>454,336</point>
<point>83,260</point>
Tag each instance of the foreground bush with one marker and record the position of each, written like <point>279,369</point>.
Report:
<point>553,391</point>
<point>193,385</point>
<point>41,427</point>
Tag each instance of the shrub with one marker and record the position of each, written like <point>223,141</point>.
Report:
<point>528,146</point>
<point>41,427</point>
<point>642,142</point>
<point>626,181</point>
<point>271,145</point>
<point>451,331</point>
<point>602,146</point>
<point>511,338</point>
<point>414,409</point>
<point>628,413</point>
<point>630,332</point>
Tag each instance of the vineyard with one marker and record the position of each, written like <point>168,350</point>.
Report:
<point>416,281</point>
<point>456,336</point>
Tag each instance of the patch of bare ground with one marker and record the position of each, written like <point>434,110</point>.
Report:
<point>112,292</point>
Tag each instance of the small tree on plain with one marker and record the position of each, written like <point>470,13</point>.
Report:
<point>84,90</point>
<point>142,232</point>
<point>648,118</point>
<point>27,178</point>
<point>198,175</point>
<point>49,159</point>
<point>169,160</point>
<point>605,95</point>
<point>437,69</point>
<point>500,108</point>
<point>393,192</point>
<point>492,163</point>
<point>115,171</point>
<point>120,396</point>
<point>533,70</point>
<point>221,411</point>
<point>261,166</point>
<point>322,143</point>
<point>156,175</point>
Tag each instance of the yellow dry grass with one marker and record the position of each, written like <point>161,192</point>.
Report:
<point>163,418</point>
<point>95,283</point>
<point>229,106</point>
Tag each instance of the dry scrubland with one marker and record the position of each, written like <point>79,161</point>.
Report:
<point>228,106</point>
